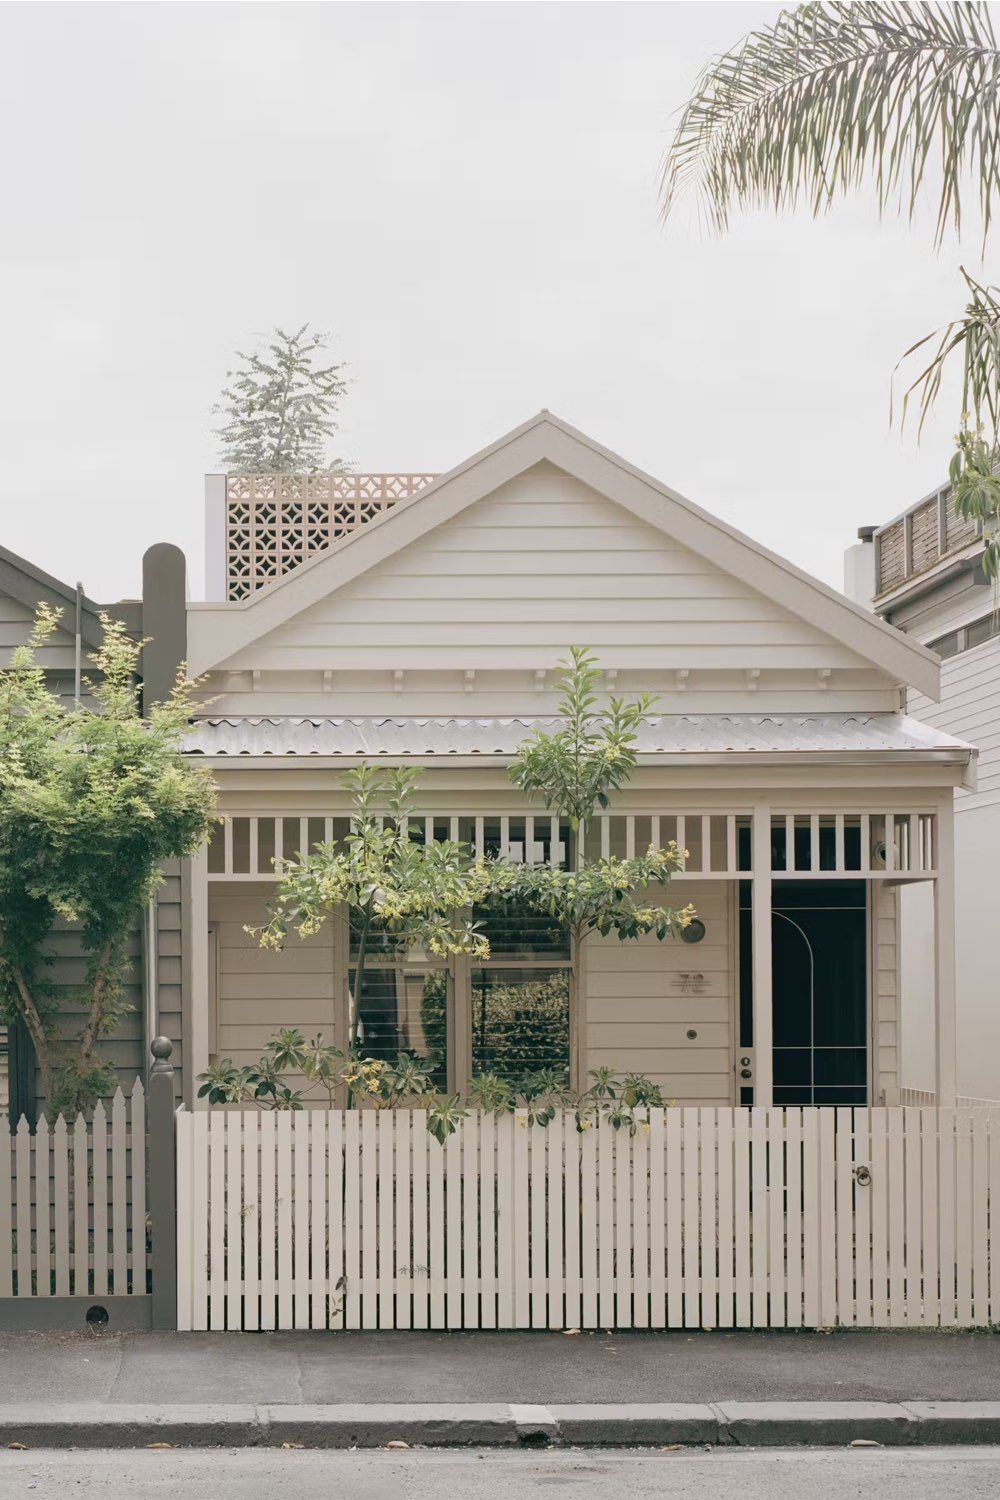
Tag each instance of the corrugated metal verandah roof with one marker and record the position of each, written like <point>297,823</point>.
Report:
<point>666,734</point>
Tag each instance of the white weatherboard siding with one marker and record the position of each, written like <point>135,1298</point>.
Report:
<point>970,709</point>
<point>507,586</point>
<point>643,998</point>
<point>977,838</point>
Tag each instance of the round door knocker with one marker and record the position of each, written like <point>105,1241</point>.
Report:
<point>863,1176</point>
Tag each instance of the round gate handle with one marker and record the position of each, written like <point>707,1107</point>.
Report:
<point>863,1176</point>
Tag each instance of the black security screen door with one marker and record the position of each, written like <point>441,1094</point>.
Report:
<point>820,990</point>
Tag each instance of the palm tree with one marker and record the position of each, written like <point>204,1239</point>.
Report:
<point>832,94</point>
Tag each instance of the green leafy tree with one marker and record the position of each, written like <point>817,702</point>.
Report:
<point>279,410</point>
<point>396,888</point>
<point>905,95</point>
<point>574,770</point>
<point>92,801</point>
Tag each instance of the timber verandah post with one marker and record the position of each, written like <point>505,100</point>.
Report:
<point>162,1159</point>
<point>760,888</point>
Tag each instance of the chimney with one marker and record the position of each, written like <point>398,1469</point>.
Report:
<point>859,568</point>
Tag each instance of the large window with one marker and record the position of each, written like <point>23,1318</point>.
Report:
<point>403,1006</point>
<point>520,997</point>
<point>508,1015</point>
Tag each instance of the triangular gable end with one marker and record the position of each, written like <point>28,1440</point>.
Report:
<point>220,634</point>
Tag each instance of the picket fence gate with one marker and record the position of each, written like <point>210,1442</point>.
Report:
<point>706,1218</point>
<point>73,1205</point>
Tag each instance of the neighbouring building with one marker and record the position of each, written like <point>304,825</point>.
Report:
<point>156,946</point>
<point>922,573</point>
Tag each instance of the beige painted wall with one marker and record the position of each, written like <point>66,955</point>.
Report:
<point>643,998</point>
<point>639,1007</point>
<point>257,992</point>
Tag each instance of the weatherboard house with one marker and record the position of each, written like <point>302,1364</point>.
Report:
<point>420,619</point>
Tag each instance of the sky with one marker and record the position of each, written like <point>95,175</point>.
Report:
<point>465,197</point>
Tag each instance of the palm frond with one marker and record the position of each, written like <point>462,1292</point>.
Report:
<point>832,93</point>
<point>975,338</point>
<point>974,473</point>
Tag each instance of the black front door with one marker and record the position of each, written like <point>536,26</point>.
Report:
<point>819,944</point>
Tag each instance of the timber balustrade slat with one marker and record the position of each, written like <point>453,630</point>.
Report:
<point>99,1175</point>
<point>420,1144</point>
<point>43,1264</point>
<point>657,1224</point>
<point>301,1131</point>
<point>640,1229</point>
<point>119,1195</point>
<point>137,1180</point>
<point>488,1221</point>
<point>7,1179</point>
<point>319,1284</point>
<point>402,1259</point>
<point>993,1134</point>
<point>474,1170</point>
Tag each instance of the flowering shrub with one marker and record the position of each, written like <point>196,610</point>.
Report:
<point>407,1082</point>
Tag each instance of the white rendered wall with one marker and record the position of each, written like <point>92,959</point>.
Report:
<point>644,998</point>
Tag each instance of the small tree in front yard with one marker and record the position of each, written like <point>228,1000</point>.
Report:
<point>92,801</point>
<point>574,770</point>
<point>395,887</point>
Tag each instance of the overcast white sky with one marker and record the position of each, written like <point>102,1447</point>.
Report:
<point>465,194</point>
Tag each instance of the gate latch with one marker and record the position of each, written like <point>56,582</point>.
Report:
<point>863,1176</point>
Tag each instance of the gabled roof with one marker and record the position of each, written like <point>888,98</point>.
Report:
<point>218,631</point>
<point>31,586</point>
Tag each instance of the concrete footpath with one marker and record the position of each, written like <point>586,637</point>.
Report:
<point>344,1390</point>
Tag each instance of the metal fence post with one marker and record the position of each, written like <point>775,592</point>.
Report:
<point>163,1185</point>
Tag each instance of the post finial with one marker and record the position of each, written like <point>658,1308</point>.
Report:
<point>162,1048</point>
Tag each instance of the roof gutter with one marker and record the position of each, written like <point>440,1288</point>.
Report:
<point>956,757</point>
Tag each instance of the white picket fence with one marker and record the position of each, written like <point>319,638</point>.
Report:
<point>707,1218</point>
<point>73,1204</point>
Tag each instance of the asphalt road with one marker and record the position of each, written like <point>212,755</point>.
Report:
<point>861,1474</point>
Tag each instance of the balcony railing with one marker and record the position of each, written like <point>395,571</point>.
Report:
<point>919,539</point>
<point>276,522</point>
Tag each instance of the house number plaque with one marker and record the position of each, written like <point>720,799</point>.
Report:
<point>689,984</point>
